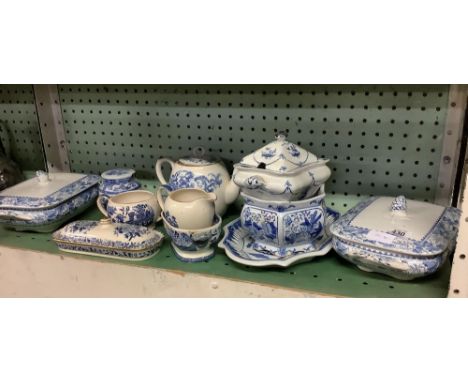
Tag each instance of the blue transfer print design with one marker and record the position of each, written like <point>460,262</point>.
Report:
<point>171,219</point>
<point>47,216</point>
<point>187,179</point>
<point>269,152</point>
<point>261,223</point>
<point>436,241</point>
<point>306,225</point>
<point>194,241</point>
<point>399,266</point>
<point>238,244</point>
<point>139,214</point>
<point>119,172</point>
<point>293,150</point>
<point>60,196</point>
<point>73,237</point>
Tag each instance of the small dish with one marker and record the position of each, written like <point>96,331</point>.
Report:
<point>103,238</point>
<point>242,249</point>
<point>193,245</point>
<point>116,181</point>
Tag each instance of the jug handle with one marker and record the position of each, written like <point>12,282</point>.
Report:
<point>101,206</point>
<point>160,197</point>
<point>158,168</point>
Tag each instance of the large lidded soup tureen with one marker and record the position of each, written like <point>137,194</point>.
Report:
<point>281,170</point>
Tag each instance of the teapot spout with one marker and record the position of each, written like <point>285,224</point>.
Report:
<point>231,192</point>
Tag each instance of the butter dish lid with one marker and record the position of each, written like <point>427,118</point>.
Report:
<point>105,234</point>
<point>46,190</point>
<point>280,156</point>
<point>399,225</point>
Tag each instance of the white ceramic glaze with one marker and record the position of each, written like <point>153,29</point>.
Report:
<point>193,245</point>
<point>281,171</point>
<point>138,207</point>
<point>107,239</point>
<point>205,174</point>
<point>241,248</point>
<point>402,238</point>
<point>188,208</point>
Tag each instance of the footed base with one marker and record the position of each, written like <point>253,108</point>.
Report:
<point>193,256</point>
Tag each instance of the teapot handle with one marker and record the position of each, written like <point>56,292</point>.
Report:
<point>158,168</point>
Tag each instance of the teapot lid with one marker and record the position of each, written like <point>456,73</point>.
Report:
<point>198,158</point>
<point>280,155</point>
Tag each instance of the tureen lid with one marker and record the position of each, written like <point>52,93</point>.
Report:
<point>280,155</point>
<point>104,234</point>
<point>118,174</point>
<point>198,158</point>
<point>399,225</point>
<point>46,190</point>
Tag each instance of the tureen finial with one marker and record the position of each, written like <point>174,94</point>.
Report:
<point>399,205</point>
<point>281,136</point>
<point>42,176</point>
<point>198,151</point>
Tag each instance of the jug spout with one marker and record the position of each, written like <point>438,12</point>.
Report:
<point>211,196</point>
<point>231,192</point>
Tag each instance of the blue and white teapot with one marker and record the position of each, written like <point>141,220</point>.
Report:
<point>202,173</point>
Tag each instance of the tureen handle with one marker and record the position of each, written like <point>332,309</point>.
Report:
<point>399,205</point>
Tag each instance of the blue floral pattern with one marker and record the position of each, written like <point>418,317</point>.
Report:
<point>438,238</point>
<point>262,224</point>
<point>187,179</point>
<point>194,241</point>
<point>303,225</point>
<point>78,236</point>
<point>45,219</point>
<point>138,214</point>
<point>400,266</point>
<point>58,197</point>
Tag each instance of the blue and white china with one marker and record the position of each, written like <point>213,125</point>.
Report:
<point>188,208</point>
<point>137,207</point>
<point>103,238</point>
<point>206,174</point>
<point>282,224</point>
<point>242,248</point>
<point>398,237</point>
<point>193,245</point>
<point>43,203</point>
<point>117,181</point>
<point>281,171</point>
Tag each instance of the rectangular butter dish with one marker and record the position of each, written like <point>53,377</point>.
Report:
<point>104,238</point>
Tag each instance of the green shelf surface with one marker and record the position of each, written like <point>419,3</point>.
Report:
<point>327,275</point>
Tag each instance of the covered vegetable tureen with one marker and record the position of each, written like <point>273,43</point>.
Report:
<point>398,237</point>
<point>45,202</point>
<point>281,170</point>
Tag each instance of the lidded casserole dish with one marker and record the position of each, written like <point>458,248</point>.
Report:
<point>281,171</point>
<point>45,202</point>
<point>398,237</point>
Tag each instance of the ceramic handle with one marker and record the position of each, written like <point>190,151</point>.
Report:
<point>253,182</point>
<point>158,168</point>
<point>101,206</point>
<point>160,197</point>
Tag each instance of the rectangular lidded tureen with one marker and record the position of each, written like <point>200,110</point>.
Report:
<point>46,201</point>
<point>106,239</point>
<point>399,237</point>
